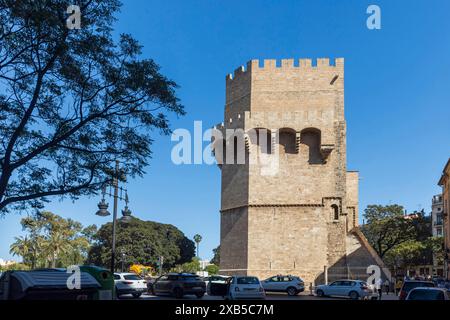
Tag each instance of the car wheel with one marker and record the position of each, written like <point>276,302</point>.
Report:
<point>200,295</point>
<point>354,295</point>
<point>136,295</point>
<point>291,291</point>
<point>320,293</point>
<point>178,293</point>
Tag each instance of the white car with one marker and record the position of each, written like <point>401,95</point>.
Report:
<point>427,293</point>
<point>129,283</point>
<point>244,287</point>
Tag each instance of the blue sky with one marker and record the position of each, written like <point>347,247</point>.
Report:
<point>397,96</point>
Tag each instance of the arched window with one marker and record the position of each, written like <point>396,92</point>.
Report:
<point>335,211</point>
<point>220,147</point>
<point>262,138</point>
<point>312,138</point>
<point>287,141</point>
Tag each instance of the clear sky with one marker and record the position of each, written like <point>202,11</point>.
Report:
<point>397,96</point>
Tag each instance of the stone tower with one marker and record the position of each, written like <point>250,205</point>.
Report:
<point>289,205</point>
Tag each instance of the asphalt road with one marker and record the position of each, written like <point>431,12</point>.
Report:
<point>270,296</point>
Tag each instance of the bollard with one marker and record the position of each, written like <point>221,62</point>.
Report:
<point>311,289</point>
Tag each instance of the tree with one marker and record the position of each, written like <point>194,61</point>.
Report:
<point>212,269</point>
<point>73,101</point>
<point>198,239</point>
<point>188,267</point>
<point>143,242</point>
<point>387,227</point>
<point>216,258</point>
<point>51,241</point>
<point>23,247</point>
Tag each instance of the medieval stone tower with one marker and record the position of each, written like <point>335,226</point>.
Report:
<point>289,205</point>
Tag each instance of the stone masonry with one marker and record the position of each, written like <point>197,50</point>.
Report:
<point>289,206</point>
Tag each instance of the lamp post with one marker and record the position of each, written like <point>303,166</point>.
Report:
<point>123,259</point>
<point>103,209</point>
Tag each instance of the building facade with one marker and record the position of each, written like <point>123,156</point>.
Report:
<point>444,182</point>
<point>289,205</point>
<point>437,207</point>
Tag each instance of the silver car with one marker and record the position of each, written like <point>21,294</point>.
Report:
<point>353,289</point>
<point>290,284</point>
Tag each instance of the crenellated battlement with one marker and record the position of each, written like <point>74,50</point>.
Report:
<point>301,65</point>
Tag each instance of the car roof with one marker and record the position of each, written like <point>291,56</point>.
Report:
<point>348,280</point>
<point>429,289</point>
<point>125,273</point>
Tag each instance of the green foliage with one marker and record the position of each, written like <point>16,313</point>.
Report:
<point>198,238</point>
<point>143,242</point>
<point>52,241</point>
<point>73,101</point>
<point>387,227</point>
<point>402,241</point>
<point>216,258</point>
<point>192,266</point>
<point>212,269</point>
<point>15,267</point>
<point>406,254</point>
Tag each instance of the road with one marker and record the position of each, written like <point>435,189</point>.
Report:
<point>271,296</point>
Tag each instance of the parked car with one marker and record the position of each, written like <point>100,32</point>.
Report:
<point>408,285</point>
<point>129,283</point>
<point>213,280</point>
<point>244,287</point>
<point>427,293</point>
<point>179,285</point>
<point>289,284</point>
<point>353,289</point>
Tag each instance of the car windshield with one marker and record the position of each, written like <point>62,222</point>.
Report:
<point>420,294</point>
<point>248,280</point>
<point>131,277</point>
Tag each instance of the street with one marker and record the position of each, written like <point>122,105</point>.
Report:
<point>270,296</point>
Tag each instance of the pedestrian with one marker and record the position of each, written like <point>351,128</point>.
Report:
<point>379,287</point>
<point>386,286</point>
<point>398,286</point>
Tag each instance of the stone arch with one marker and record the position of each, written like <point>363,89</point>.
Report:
<point>236,149</point>
<point>312,137</point>
<point>287,140</point>
<point>219,147</point>
<point>261,137</point>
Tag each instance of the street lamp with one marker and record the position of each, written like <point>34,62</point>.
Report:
<point>123,259</point>
<point>103,209</point>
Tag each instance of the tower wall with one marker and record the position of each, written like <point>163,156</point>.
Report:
<point>293,215</point>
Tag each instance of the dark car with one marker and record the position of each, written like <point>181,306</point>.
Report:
<point>179,285</point>
<point>408,285</point>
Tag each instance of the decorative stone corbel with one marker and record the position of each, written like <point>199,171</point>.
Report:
<point>325,150</point>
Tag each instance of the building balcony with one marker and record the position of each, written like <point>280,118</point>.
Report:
<point>437,199</point>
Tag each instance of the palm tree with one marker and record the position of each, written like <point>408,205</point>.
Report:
<point>56,245</point>
<point>198,238</point>
<point>22,247</point>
